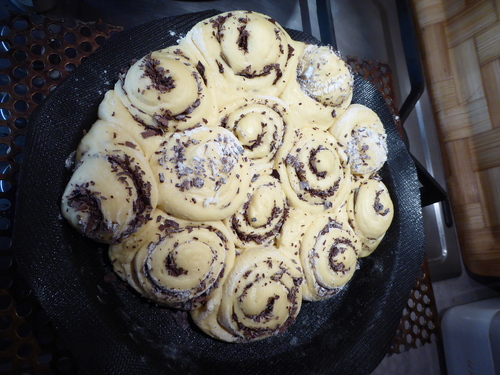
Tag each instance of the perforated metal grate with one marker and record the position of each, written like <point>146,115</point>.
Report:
<point>37,54</point>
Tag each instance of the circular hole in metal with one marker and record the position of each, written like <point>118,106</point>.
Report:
<point>5,322</point>
<point>4,204</point>
<point>5,168</point>
<point>55,59</point>
<point>85,31</point>
<point>4,147</point>
<point>20,140</point>
<point>19,40</point>
<point>55,74</point>
<point>19,24</point>
<point>4,63</point>
<point>20,72</point>
<point>5,260</point>
<point>4,30</point>
<point>424,334</point>
<point>38,49</point>
<point>413,316</point>
<point>4,79</point>
<point>37,34</point>
<point>4,114</point>
<point>24,330</point>
<point>100,40</point>
<point>20,106</point>
<point>52,88</point>
<point>4,97</point>
<point>70,67</point>
<point>19,158</point>
<point>25,350</point>
<point>24,309</point>
<point>86,46</point>
<point>70,52</point>
<point>38,81</point>
<point>54,28</point>
<point>20,56</point>
<point>4,223</point>
<point>4,131</point>
<point>416,294</point>
<point>20,122</point>
<point>5,343</point>
<point>54,43</point>
<point>37,98</point>
<point>5,186</point>
<point>5,302</point>
<point>38,65</point>
<point>5,283</point>
<point>426,299</point>
<point>23,289</point>
<point>70,37</point>
<point>4,46</point>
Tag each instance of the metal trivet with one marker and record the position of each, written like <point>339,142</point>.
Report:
<point>41,54</point>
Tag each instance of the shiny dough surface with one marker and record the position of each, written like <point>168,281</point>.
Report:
<point>232,177</point>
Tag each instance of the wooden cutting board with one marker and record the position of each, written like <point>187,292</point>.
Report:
<point>460,42</point>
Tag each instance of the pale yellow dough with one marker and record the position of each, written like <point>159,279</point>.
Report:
<point>259,219</point>
<point>315,176</point>
<point>260,298</point>
<point>246,53</point>
<point>232,177</point>
<point>201,173</point>
<point>363,139</point>
<point>371,211</point>
<point>112,190</point>
<point>328,254</point>
<point>165,90</point>
<point>322,88</point>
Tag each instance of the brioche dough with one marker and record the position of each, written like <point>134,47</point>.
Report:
<point>201,173</point>
<point>232,177</point>
<point>370,212</point>
<point>362,137</point>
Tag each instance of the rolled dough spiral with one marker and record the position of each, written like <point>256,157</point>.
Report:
<point>370,211</point>
<point>260,298</point>
<point>112,190</point>
<point>201,173</point>
<point>362,137</point>
<point>165,90</point>
<point>314,175</point>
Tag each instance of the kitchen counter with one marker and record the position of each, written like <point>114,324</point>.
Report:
<point>460,43</point>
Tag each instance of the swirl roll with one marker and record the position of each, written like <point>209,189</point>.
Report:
<point>370,211</point>
<point>113,111</point>
<point>259,124</point>
<point>362,137</point>
<point>111,192</point>
<point>260,298</point>
<point>322,89</point>
<point>165,90</point>
<point>314,175</point>
<point>246,51</point>
<point>181,264</point>
<point>201,174</point>
<point>328,254</point>
<point>258,221</point>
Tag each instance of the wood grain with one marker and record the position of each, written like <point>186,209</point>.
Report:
<point>461,52</point>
